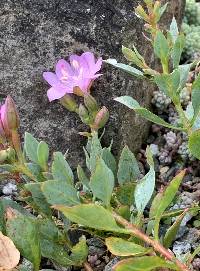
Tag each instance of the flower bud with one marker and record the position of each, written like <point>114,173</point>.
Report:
<point>90,103</point>
<point>83,113</point>
<point>101,118</point>
<point>7,154</point>
<point>9,116</point>
<point>68,102</point>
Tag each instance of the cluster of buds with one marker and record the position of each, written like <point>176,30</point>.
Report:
<point>154,12</point>
<point>75,78</point>
<point>9,124</point>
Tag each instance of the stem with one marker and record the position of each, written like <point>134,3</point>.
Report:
<point>17,145</point>
<point>155,244</point>
<point>87,266</point>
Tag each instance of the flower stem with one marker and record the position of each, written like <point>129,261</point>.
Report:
<point>155,244</point>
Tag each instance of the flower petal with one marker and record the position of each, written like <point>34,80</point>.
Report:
<point>58,92</point>
<point>63,69</point>
<point>51,78</point>
<point>90,59</point>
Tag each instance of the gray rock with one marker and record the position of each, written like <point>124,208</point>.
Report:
<point>35,34</point>
<point>9,189</point>
<point>110,265</point>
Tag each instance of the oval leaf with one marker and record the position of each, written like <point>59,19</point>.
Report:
<point>24,233</point>
<point>145,187</point>
<point>102,182</point>
<point>194,144</point>
<point>57,192</point>
<point>145,263</point>
<point>128,169</point>
<point>92,216</point>
<point>172,231</point>
<point>121,247</point>
<point>61,170</point>
<point>133,104</point>
<point>168,196</point>
<point>30,146</point>
<point>43,154</point>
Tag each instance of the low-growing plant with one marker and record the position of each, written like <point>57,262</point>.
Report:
<point>108,199</point>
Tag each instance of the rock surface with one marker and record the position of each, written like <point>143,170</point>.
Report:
<point>35,34</point>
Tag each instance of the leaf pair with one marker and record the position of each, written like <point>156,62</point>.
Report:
<point>37,152</point>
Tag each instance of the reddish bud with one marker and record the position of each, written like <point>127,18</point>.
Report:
<point>101,118</point>
<point>9,116</point>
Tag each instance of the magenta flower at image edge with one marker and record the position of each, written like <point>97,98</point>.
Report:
<point>79,73</point>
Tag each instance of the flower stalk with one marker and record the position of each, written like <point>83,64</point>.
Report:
<point>155,244</point>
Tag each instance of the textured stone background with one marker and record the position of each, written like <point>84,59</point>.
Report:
<point>35,34</point>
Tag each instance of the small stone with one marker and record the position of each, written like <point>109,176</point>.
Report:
<point>9,189</point>
<point>181,248</point>
<point>154,149</point>
<point>164,170</point>
<point>110,265</point>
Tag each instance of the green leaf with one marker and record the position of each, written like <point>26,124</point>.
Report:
<point>30,146</point>
<point>38,198</point>
<point>102,182</point>
<point>55,252</point>
<point>161,48</point>
<point>23,231</point>
<point>109,159</point>
<point>196,96</point>
<point>168,196</point>
<point>133,57</point>
<point>145,187</point>
<point>92,216</point>
<point>155,204</point>
<point>125,193</point>
<point>121,247</point>
<point>168,83</point>
<point>194,143</point>
<point>174,30</point>
<point>36,171</point>
<point>145,263</point>
<point>127,68</point>
<point>133,104</point>
<point>93,152</point>
<point>49,231</point>
<point>79,252</point>
<point>172,231</point>
<point>82,177</point>
<point>177,50</point>
<point>128,169</point>
<point>4,204</point>
<point>59,192</point>
<point>184,73</point>
<point>61,170</point>
<point>43,155</point>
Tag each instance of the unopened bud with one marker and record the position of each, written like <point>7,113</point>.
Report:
<point>101,118</point>
<point>84,115</point>
<point>68,102</point>
<point>141,13</point>
<point>9,116</point>
<point>90,103</point>
<point>8,154</point>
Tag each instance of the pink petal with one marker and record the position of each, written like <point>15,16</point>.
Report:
<point>98,64</point>
<point>62,68</point>
<point>58,92</point>
<point>51,78</point>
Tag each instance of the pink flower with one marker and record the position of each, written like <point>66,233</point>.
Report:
<point>74,77</point>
